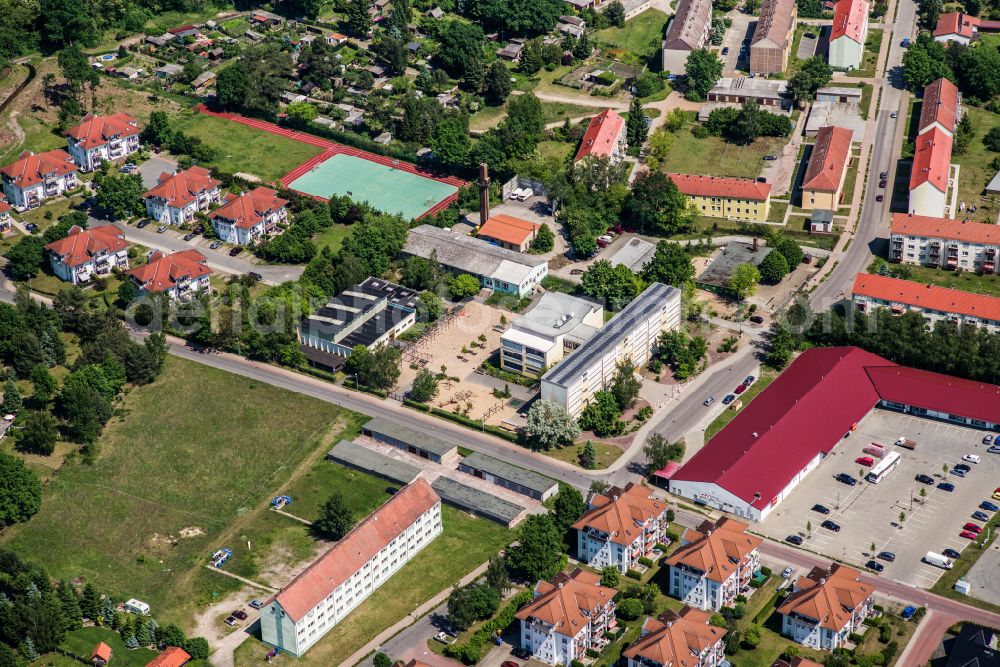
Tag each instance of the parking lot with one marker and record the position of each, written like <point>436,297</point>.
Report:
<point>870,513</point>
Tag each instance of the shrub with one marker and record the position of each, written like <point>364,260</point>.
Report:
<point>766,571</point>
<point>610,576</point>
<point>576,663</point>
<point>470,652</point>
<point>718,620</point>
<point>632,574</point>
<point>669,515</point>
<point>661,546</point>
<point>699,131</point>
<point>629,609</point>
<point>790,652</point>
<point>646,561</point>
<point>855,638</point>
<point>593,653</point>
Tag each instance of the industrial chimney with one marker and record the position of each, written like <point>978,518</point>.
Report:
<point>484,194</point>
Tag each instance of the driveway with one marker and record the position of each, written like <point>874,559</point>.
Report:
<point>151,169</point>
<point>742,29</point>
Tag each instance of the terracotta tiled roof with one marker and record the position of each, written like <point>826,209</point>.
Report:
<point>568,601</point>
<point>180,189</point>
<point>687,29</point>
<point>621,513</point>
<point>849,17</point>
<point>775,22</point>
<point>932,297</point>
<point>172,656</point>
<point>675,638</point>
<point>248,209</point>
<point>102,651</point>
<point>163,272</point>
<point>940,105</point>
<point>82,245</point>
<point>945,228</point>
<point>828,597</point>
<point>830,157</point>
<point>694,185</point>
<point>715,549</point>
<point>31,168</point>
<point>509,229</point>
<point>932,160</point>
<point>956,23</point>
<point>96,131</point>
<point>356,548</point>
<point>601,136</point>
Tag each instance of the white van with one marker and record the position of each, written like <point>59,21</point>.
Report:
<point>971,458</point>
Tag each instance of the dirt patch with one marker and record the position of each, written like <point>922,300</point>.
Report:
<point>210,621</point>
<point>282,564</point>
<point>191,531</point>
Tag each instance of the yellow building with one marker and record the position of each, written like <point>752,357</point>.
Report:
<point>730,198</point>
<point>823,183</point>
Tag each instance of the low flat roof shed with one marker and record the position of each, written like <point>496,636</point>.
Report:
<point>411,440</point>
<point>359,457</point>
<point>509,476</point>
<point>471,499</point>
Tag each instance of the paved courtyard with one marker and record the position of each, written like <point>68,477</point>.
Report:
<point>870,513</point>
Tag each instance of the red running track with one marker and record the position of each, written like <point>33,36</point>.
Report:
<point>333,148</point>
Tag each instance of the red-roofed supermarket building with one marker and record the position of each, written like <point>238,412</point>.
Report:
<point>756,461</point>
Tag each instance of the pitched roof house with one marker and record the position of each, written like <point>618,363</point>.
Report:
<point>929,173</point>
<point>826,606</point>
<point>101,655</point>
<point>249,217</point>
<point>177,275</point>
<point>177,197</point>
<point>172,656</point>
<point>713,564</point>
<point>772,37</point>
<point>605,137</point>
<point>827,168</point>
<point>37,176</point>
<point>678,638</point>
<point>509,232</point>
<point>87,252</point>
<point>848,33</point>
<point>619,527</point>
<point>941,107</point>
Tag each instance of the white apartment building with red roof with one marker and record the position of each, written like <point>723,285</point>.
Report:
<point>605,137</point>
<point>620,527</point>
<point>179,275</point>
<point>682,638</point>
<point>6,224</point>
<point>323,594</point>
<point>100,138</point>
<point>86,253</point>
<point>714,564</point>
<point>934,303</point>
<point>944,243</point>
<point>848,34</point>
<point>177,197</point>
<point>567,616</point>
<point>249,217</point>
<point>826,606</point>
<point>37,176</point>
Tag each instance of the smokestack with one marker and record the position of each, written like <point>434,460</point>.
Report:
<point>484,193</point>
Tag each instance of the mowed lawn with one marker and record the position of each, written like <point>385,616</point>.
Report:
<point>81,642</point>
<point>333,237</point>
<point>186,468</point>
<point>712,156</point>
<point>245,149</point>
<point>641,35</point>
<point>976,171</point>
<point>465,543</point>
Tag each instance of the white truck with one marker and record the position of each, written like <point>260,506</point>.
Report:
<point>939,560</point>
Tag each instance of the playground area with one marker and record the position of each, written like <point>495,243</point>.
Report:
<point>392,187</point>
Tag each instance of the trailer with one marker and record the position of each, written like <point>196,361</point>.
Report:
<point>279,502</point>
<point>938,560</point>
<point>906,443</point>
<point>220,557</point>
<point>876,449</point>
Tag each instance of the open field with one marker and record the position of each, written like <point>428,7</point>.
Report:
<point>184,469</point>
<point>641,35</point>
<point>552,112</point>
<point>966,281</point>
<point>606,454</point>
<point>333,237</point>
<point>243,148</point>
<point>465,543</point>
<point>81,642</point>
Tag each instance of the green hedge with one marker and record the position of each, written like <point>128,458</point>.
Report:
<point>471,651</point>
<point>463,420</point>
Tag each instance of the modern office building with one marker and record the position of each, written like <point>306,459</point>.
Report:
<point>555,326</point>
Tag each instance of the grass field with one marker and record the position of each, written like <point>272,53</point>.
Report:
<point>199,449</point>
<point>965,281</point>
<point>465,543</point>
<point>552,112</point>
<point>727,415</point>
<point>976,171</point>
<point>606,454</point>
<point>38,137</point>
<point>712,156</point>
<point>870,57</point>
<point>641,35</point>
<point>81,642</point>
<point>245,149</point>
<point>333,237</point>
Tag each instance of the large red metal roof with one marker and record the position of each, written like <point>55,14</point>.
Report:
<point>934,391</point>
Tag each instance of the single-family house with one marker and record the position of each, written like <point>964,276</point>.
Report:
<point>512,51</point>
<point>826,606</point>
<point>620,527</point>
<point>335,39</point>
<point>159,41</point>
<point>176,198</point>
<point>714,564</point>
<point>168,71</point>
<point>605,137</point>
<point>35,177</point>
<point>509,232</point>
<point>100,138</point>
<point>128,73</point>
<point>435,13</point>
<point>172,656</point>
<point>827,169</point>
<point>203,81</point>
<point>101,655</point>
<point>249,217</point>
<point>85,253</point>
<point>184,31</point>
<point>677,638</point>
<point>962,28</point>
<point>848,34</point>
<point>179,275</point>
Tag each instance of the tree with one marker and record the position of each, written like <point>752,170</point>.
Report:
<point>702,69</point>
<point>461,44</point>
<point>24,259</point>
<point>615,14</point>
<point>450,141</point>
<point>430,306</point>
<point>496,574</point>
<point>38,433</point>
<point>516,17</point>
<point>378,368</point>
<point>301,113</point>
<point>359,18</point>
<point>335,518</point>
<point>744,279</point>
<point>656,206</point>
<point>670,265</point>
<point>232,87</point>
<point>637,125</point>
<point>602,415</point>
<point>752,636</point>
<point>615,285</point>
<point>531,57</point>
<point>66,22</point>
<point>170,635</point>
<point>549,425</point>
<point>567,507</point>
<point>992,139</point>
<point>20,491</point>
<point>393,52</point>
<point>780,349</point>
<point>43,384</point>
<point>773,268</point>
<point>624,385</point>
<point>197,648</point>
<point>682,352</point>
<point>583,47</point>
<point>75,68</point>
<point>497,83</point>
<point>470,604</point>
<point>812,75</point>
<point>925,61</point>
<point>425,386</point>
<point>790,249</point>
<point>588,457</point>
<point>381,660</point>
<point>629,609</point>
<point>464,286</point>
<point>544,240</point>
<point>11,397</point>
<point>610,577</point>
<point>121,194</point>
<point>648,83</point>
<point>539,550</point>
<point>659,452</point>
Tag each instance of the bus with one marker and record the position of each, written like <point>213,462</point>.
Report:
<point>883,468</point>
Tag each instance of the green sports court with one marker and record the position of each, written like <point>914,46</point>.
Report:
<point>391,189</point>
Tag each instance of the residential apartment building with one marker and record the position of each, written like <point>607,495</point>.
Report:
<point>620,527</point>
<point>826,606</point>
<point>100,138</point>
<point>941,107</point>
<point>180,275</point>
<point>931,171</point>
<point>848,34</point>
<point>730,198</point>
<point>605,137</point>
<point>568,615</point>
<point>688,31</point>
<point>249,217</point>
<point>872,292</point>
<point>714,564</point>
<point>555,326</point>
<point>176,198</point>
<point>823,183</point>
<point>772,38</point>
<point>327,591</point>
<point>37,176</point>
<point>678,638</point>
<point>6,223</point>
<point>735,91</point>
<point>944,243</point>
<point>86,253</point>
<point>631,335</point>
<point>509,232</point>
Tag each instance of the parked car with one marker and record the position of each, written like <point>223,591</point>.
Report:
<point>444,637</point>
<point>200,229</point>
<point>725,50</point>
<point>749,380</point>
<point>215,244</point>
<point>161,229</point>
<point>988,506</point>
<point>756,319</point>
<point>844,478</point>
<point>874,566</point>
<point>887,556</point>
<point>995,449</point>
<point>830,525</point>
<point>810,35</point>
<point>708,401</point>
<point>894,114</point>
<point>996,493</point>
<point>822,509</point>
<point>240,614</point>
<point>958,472</point>
<point>729,398</point>
<point>963,466</point>
<point>770,158</point>
<point>974,527</point>
<point>235,251</point>
<point>740,389</point>
<point>971,458</point>
<point>924,479</point>
<point>884,175</point>
<point>946,486</point>
<point>879,197</point>
<point>968,534</point>
<point>980,516</point>
<point>988,439</point>
<point>521,653</point>
<point>882,183</point>
<point>865,461</point>
<point>256,604</point>
<point>794,539</point>
<point>950,553</point>
<point>509,663</point>
<point>188,237</point>
<point>143,223</point>
<point>230,621</point>
<point>256,276</point>
<point>787,572</point>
